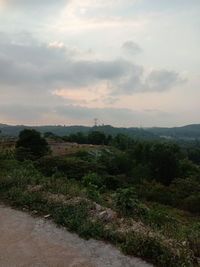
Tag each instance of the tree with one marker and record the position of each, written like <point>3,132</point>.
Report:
<point>96,138</point>
<point>31,145</point>
<point>164,162</point>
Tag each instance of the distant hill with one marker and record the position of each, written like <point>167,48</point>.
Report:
<point>188,131</point>
<point>185,132</point>
<point>3,125</point>
<point>13,131</point>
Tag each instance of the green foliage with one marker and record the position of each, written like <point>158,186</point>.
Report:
<point>116,163</point>
<point>185,194</point>
<point>193,237</point>
<point>153,191</point>
<point>25,198</point>
<point>112,182</point>
<point>126,201</point>
<point>71,167</point>
<point>31,145</point>
<point>154,249</point>
<point>182,193</point>
<point>8,165</point>
<point>192,203</point>
<point>188,168</point>
<point>161,217</point>
<point>164,162</point>
<point>194,154</point>
<point>92,178</point>
<point>139,173</point>
<point>93,192</point>
<point>96,138</point>
<point>7,154</point>
<point>71,215</point>
<point>142,172</point>
<point>102,182</point>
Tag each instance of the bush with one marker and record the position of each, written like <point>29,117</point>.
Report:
<point>192,203</point>
<point>113,182</point>
<point>182,189</point>
<point>30,145</point>
<point>126,201</point>
<point>35,200</point>
<point>93,192</point>
<point>153,191</point>
<point>139,173</point>
<point>7,154</point>
<point>92,178</point>
<point>70,167</point>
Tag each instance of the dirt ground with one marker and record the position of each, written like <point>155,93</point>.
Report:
<point>36,242</point>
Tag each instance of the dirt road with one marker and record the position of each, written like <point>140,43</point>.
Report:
<point>34,242</point>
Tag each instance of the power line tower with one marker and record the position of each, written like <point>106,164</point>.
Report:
<point>95,122</point>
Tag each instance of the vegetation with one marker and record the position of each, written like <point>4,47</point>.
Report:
<point>30,145</point>
<point>185,134</point>
<point>142,196</point>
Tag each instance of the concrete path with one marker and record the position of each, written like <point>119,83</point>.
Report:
<point>34,242</point>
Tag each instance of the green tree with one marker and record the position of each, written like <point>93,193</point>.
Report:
<point>30,145</point>
<point>97,138</point>
<point>164,161</point>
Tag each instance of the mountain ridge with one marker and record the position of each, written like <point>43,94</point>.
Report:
<point>187,131</point>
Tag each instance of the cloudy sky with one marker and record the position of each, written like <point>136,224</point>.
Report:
<point>125,62</point>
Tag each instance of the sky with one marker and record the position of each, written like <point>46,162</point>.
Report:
<point>129,63</point>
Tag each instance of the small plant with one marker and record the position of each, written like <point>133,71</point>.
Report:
<point>8,154</point>
<point>92,178</point>
<point>92,192</point>
<point>126,201</point>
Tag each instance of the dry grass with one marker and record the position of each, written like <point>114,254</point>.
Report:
<point>64,148</point>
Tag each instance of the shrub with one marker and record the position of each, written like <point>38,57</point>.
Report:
<point>31,145</point>
<point>192,203</point>
<point>93,193</point>
<point>113,182</point>
<point>92,178</point>
<point>35,200</point>
<point>126,201</point>
<point>69,166</point>
<point>182,189</point>
<point>154,191</point>
<point>7,154</point>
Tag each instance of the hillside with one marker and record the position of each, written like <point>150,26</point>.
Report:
<point>142,198</point>
<point>13,131</point>
<point>188,131</point>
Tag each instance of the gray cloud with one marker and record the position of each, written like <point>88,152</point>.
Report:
<point>136,82</point>
<point>162,80</point>
<point>131,48</point>
<point>42,67</point>
<point>43,64</point>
